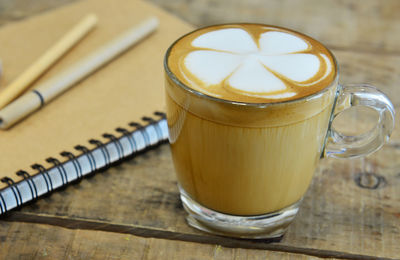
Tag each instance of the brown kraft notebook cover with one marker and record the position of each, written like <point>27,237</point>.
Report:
<point>125,90</point>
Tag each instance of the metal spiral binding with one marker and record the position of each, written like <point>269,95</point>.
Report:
<point>86,151</point>
<point>145,135</point>
<point>115,140</point>
<point>31,183</point>
<point>60,168</point>
<point>104,151</point>
<point>156,126</point>
<point>77,165</point>
<point>128,134</point>
<point>14,188</point>
<point>43,172</point>
<point>3,202</point>
<point>160,114</point>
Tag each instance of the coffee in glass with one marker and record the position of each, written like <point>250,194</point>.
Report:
<point>249,108</point>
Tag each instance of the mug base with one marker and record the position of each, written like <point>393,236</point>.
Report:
<point>268,226</point>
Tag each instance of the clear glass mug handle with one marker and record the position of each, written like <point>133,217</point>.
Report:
<point>340,145</point>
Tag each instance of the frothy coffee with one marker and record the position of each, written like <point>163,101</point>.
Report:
<point>251,63</point>
<point>247,159</point>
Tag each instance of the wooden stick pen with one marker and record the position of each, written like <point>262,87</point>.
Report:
<point>53,87</point>
<point>22,82</point>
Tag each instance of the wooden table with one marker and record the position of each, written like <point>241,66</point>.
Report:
<point>131,211</point>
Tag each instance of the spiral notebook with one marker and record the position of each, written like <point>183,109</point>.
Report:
<point>111,115</point>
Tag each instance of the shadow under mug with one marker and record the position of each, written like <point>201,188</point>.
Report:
<point>243,168</point>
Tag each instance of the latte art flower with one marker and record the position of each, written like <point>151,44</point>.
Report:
<point>267,65</point>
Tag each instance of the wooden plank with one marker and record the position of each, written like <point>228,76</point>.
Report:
<point>340,214</point>
<point>383,71</point>
<point>337,215</point>
<point>37,241</point>
<point>367,25</point>
<point>16,10</point>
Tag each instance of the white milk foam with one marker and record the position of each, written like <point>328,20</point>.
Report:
<point>232,58</point>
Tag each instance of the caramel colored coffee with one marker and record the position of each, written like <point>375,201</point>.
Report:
<point>248,122</point>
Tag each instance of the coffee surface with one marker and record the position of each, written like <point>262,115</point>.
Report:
<point>251,63</point>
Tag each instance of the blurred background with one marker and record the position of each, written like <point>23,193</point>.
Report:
<point>362,25</point>
<point>363,35</point>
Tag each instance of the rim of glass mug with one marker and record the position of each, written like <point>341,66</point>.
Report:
<point>197,93</point>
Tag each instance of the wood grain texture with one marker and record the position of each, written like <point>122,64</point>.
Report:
<point>352,209</point>
<point>368,25</point>
<point>11,10</point>
<point>382,71</point>
<point>36,241</point>
<point>341,214</point>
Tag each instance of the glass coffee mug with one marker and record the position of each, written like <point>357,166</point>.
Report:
<point>244,167</point>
